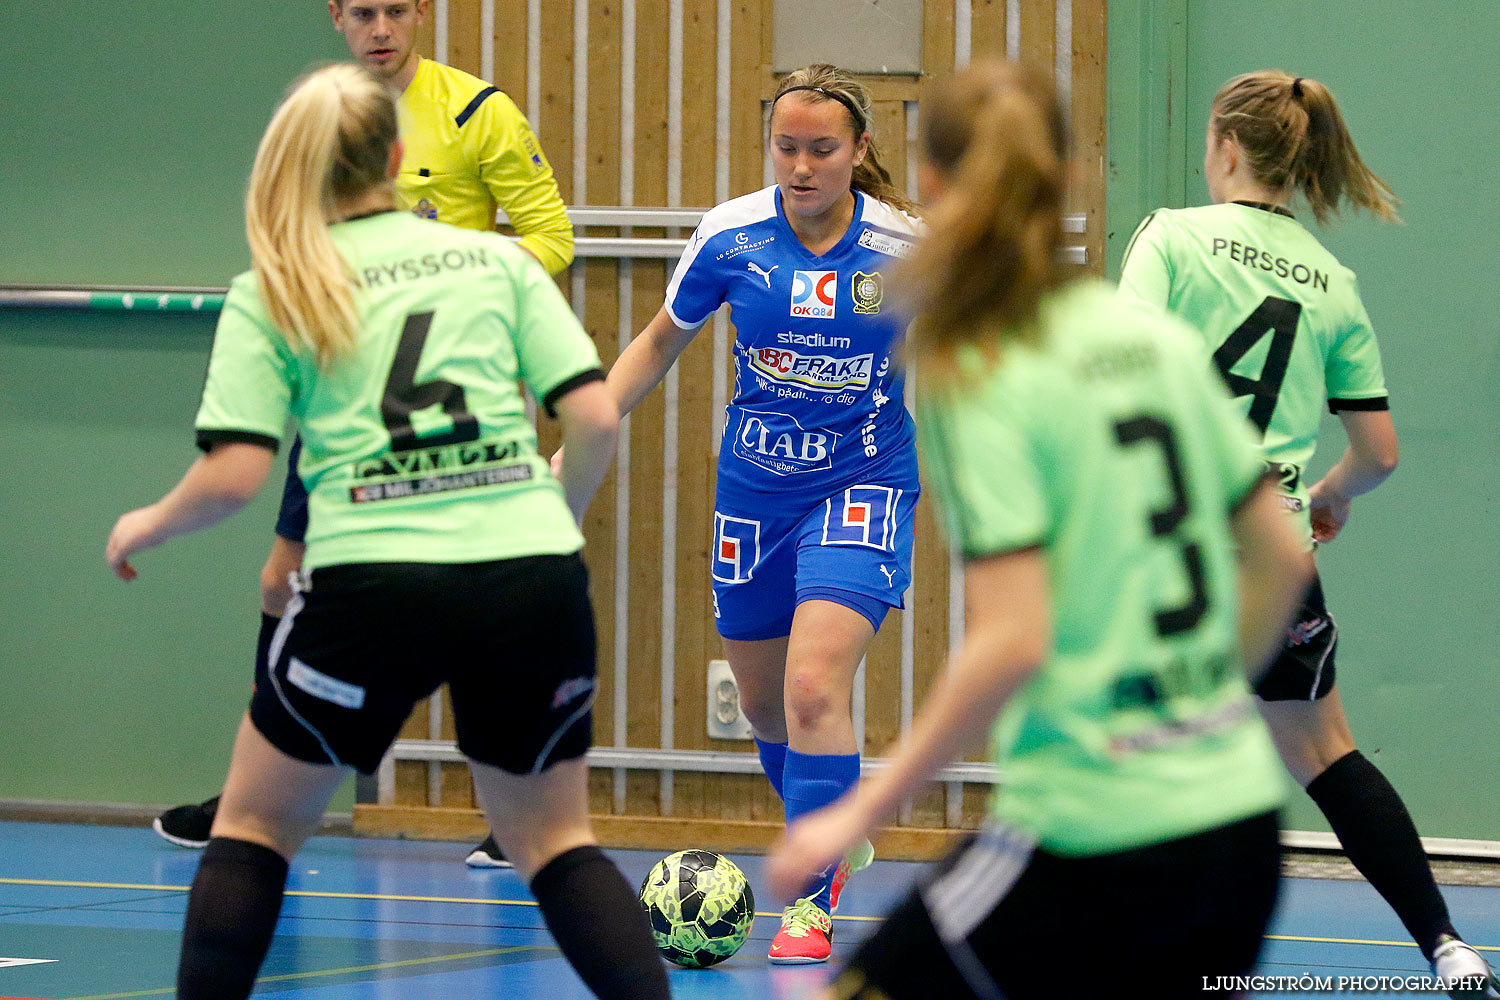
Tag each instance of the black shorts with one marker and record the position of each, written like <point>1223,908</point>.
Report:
<point>1303,670</point>
<point>291,519</point>
<point>514,640</point>
<point>1002,918</point>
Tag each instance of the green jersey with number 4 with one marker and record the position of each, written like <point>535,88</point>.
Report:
<point>415,445</point>
<point>1112,447</point>
<point>1282,316</point>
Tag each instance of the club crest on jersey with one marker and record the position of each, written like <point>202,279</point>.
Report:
<point>424,209</point>
<point>813,292</point>
<point>778,443</point>
<point>867,290</point>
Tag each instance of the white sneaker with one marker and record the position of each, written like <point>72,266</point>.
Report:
<point>1462,971</point>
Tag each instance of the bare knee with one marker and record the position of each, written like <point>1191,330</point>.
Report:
<point>766,710</point>
<point>1309,736</point>
<point>811,698</point>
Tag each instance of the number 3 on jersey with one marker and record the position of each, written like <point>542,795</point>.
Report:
<point>1164,523</point>
<point>1279,318</point>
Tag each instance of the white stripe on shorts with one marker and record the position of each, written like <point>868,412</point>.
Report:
<point>300,583</point>
<point>959,901</point>
<point>578,713</point>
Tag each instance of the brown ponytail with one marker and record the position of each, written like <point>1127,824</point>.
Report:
<point>329,140</point>
<point>996,132</point>
<point>840,86</point>
<point>1295,138</point>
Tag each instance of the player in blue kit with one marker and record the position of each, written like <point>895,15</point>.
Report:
<point>817,474</point>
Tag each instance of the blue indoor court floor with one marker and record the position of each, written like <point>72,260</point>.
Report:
<point>95,913</point>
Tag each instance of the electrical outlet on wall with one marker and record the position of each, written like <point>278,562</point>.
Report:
<point>725,720</point>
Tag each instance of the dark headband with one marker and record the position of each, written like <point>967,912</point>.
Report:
<point>1297,86</point>
<point>859,119</point>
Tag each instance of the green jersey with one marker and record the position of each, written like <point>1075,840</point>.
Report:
<point>415,445</point>
<point>1282,316</point>
<point>1111,446</point>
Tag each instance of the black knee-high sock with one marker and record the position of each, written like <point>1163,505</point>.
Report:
<point>1379,837</point>
<point>231,915</point>
<point>600,926</point>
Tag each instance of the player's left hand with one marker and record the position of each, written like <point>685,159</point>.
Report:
<point>811,845</point>
<point>131,534</point>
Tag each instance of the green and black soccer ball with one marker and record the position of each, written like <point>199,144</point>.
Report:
<point>700,907</point>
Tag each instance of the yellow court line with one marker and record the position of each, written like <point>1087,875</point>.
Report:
<point>339,972</point>
<point>289,892</point>
<point>531,902</point>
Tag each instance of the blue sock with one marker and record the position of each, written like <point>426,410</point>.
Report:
<point>813,781</point>
<point>773,762</point>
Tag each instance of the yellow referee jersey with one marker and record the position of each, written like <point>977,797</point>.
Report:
<point>468,149</point>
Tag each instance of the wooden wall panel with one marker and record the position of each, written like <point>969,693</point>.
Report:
<point>510,52</point>
<point>463,37</point>
<point>987,29</point>
<point>1038,32</point>
<point>615,128</point>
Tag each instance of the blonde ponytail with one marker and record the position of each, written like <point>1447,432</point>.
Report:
<point>995,131</point>
<point>830,83</point>
<point>329,141</point>
<point>1295,138</point>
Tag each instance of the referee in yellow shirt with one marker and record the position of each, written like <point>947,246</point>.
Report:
<point>468,150</point>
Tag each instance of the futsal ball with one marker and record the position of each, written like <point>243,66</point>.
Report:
<point>700,906</point>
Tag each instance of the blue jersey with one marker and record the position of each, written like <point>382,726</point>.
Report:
<point>817,403</point>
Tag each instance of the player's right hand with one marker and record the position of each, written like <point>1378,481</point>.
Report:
<point>556,463</point>
<point>131,534</point>
<point>1328,511</point>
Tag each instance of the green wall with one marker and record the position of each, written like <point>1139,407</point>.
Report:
<point>128,128</point>
<point>1413,580</point>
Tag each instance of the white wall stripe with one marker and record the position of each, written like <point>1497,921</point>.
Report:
<point>627,111</point>
<point>440,31</point>
<point>435,732</point>
<point>580,110</point>
<point>622,548</point>
<point>963,32</point>
<point>669,427</point>
<point>1064,59</point>
<point>669,582</point>
<point>1012,29</point>
<point>723,72</point>
<point>626,330</point>
<point>857,707</point>
<point>534,62</point>
<point>487,40</point>
<point>674,104</point>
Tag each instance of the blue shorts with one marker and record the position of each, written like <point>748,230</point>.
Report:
<point>291,519</point>
<point>853,549</point>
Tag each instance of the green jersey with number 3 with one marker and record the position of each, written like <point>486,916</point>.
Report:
<point>415,445</point>
<point>1111,446</point>
<point>1282,316</point>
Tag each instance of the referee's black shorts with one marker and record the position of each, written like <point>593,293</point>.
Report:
<point>1001,918</point>
<point>363,643</point>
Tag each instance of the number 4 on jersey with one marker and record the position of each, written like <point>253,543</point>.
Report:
<point>1278,317</point>
<point>404,396</point>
